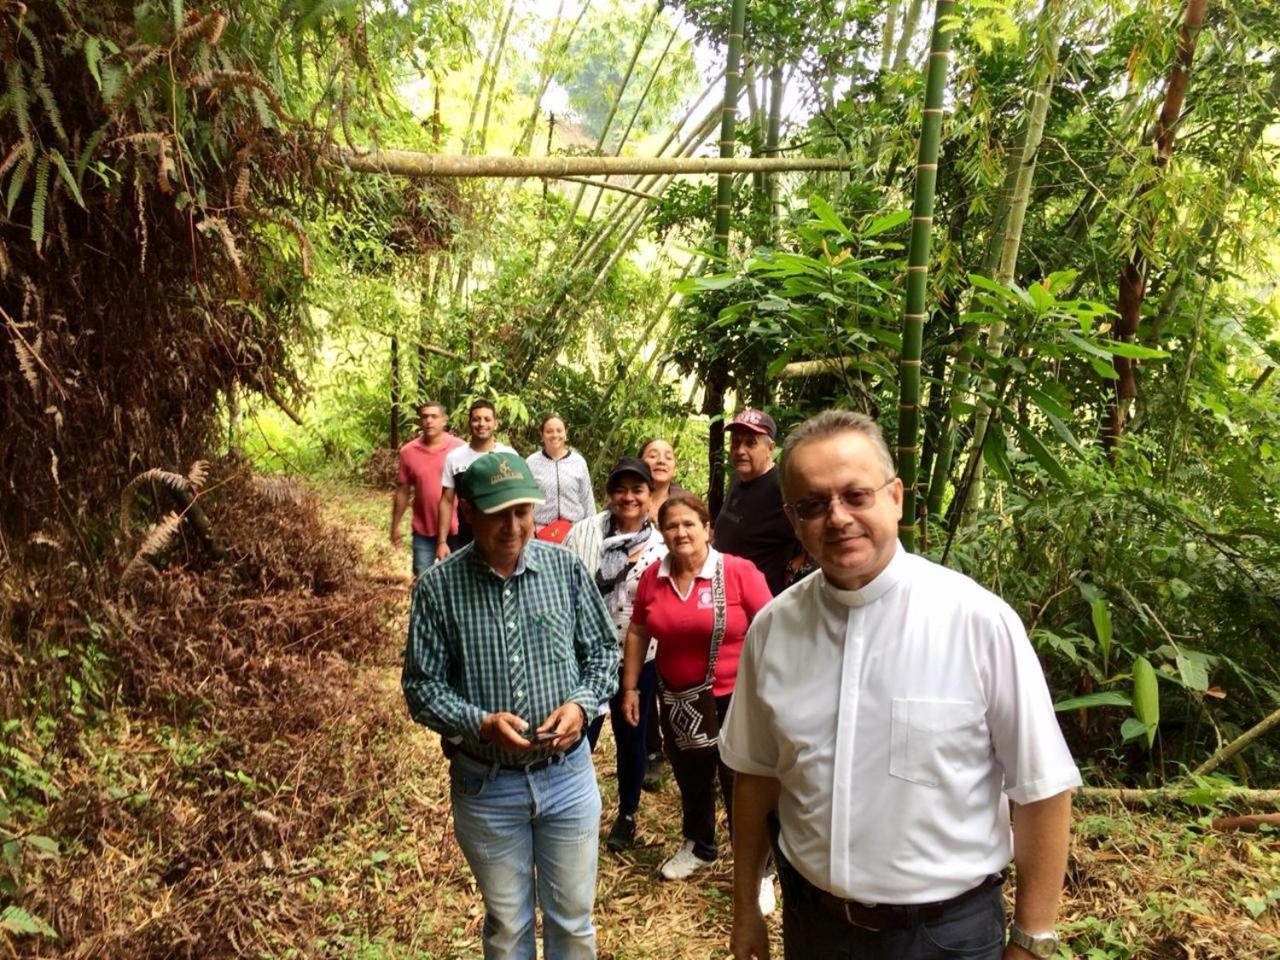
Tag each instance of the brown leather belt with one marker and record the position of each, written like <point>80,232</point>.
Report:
<point>886,916</point>
<point>521,767</point>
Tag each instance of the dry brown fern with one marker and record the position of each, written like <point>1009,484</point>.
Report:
<point>219,226</point>
<point>157,540</point>
<point>277,490</point>
<point>198,473</point>
<point>174,481</point>
<point>287,220</point>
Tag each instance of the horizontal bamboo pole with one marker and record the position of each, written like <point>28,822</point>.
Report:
<point>407,163</point>
<point>813,368</point>
<point>1175,794</point>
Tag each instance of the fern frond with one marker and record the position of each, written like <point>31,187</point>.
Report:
<point>219,226</point>
<point>140,201</point>
<point>287,220</point>
<point>65,172</point>
<point>86,154</point>
<point>18,101</point>
<point>157,541</point>
<point>40,201</point>
<point>198,473</point>
<point>51,110</point>
<point>16,183</point>
<point>27,364</point>
<point>277,490</point>
<point>241,192</point>
<point>178,9</point>
<point>226,79</point>
<point>5,263</point>
<point>12,156</point>
<point>174,481</point>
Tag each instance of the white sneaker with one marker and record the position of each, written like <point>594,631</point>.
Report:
<point>684,864</point>
<point>768,902</point>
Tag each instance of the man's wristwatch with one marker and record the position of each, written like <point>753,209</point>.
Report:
<point>1041,945</point>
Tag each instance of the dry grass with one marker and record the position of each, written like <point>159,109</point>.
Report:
<point>269,796</point>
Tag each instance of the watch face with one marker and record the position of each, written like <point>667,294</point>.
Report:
<point>1045,948</point>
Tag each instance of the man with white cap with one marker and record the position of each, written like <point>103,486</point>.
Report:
<point>510,649</point>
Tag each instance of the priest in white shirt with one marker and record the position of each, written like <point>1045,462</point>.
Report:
<point>886,711</point>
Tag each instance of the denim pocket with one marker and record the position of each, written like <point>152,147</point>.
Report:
<point>467,783</point>
<point>931,738</point>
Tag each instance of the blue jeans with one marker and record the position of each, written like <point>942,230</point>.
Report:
<point>630,741</point>
<point>424,551</point>
<point>531,838</point>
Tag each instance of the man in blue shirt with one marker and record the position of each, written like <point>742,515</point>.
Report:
<point>510,649</point>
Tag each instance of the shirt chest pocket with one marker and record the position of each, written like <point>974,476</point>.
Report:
<point>931,740</point>
<point>553,632</point>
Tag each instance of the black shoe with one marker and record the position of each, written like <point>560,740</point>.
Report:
<point>622,835</point>
<point>655,771</point>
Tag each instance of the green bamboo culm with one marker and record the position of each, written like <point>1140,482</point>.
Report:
<point>918,267</point>
<point>728,122</point>
<point>714,376</point>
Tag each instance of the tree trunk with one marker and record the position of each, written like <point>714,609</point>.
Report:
<point>1133,275</point>
<point>918,269</point>
<point>550,59</point>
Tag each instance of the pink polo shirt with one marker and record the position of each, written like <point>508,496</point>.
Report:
<point>421,468</point>
<point>682,625</point>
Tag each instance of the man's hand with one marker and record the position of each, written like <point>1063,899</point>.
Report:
<point>396,539</point>
<point>506,730</point>
<point>750,937</point>
<point>568,720</point>
<point>631,707</point>
<point>442,550</point>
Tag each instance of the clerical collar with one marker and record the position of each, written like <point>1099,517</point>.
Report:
<point>888,578</point>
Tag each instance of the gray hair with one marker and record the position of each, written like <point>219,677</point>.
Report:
<point>828,423</point>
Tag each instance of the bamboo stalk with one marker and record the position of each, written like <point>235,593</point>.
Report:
<point>1127,795</point>
<point>918,269</point>
<point>409,163</point>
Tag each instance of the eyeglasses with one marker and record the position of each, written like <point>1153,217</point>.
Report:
<point>855,498</point>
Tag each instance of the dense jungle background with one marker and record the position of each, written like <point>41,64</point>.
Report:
<point>1048,265</point>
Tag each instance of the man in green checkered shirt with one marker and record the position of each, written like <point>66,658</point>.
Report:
<point>510,650</point>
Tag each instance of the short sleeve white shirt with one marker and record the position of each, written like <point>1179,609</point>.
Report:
<point>896,718</point>
<point>460,458</point>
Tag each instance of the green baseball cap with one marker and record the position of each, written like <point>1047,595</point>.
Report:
<point>497,481</point>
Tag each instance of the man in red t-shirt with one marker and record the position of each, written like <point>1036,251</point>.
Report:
<point>421,464</point>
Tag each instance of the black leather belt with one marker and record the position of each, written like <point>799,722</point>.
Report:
<point>887,916</point>
<point>523,767</point>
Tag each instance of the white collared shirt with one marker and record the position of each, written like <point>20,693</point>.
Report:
<point>894,717</point>
<point>706,572</point>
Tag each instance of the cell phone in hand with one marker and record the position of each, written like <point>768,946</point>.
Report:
<point>544,736</point>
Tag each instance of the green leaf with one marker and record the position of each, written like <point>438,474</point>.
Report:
<point>1133,351</point>
<point>1110,698</point>
<point>1101,614</point>
<point>1146,696</point>
<point>1179,588</point>
<point>40,201</point>
<point>828,218</point>
<point>92,56</point>
<point>1133,728</point>
<point>996,454</point>
<point>19,921</point>
<point>65,172</point>
<point>887,222</point>
<point>44,844</point>
<point>1043,455</point>
<point>1193,670</point>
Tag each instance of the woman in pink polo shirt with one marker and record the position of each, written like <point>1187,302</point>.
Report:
<point>697,603</point>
